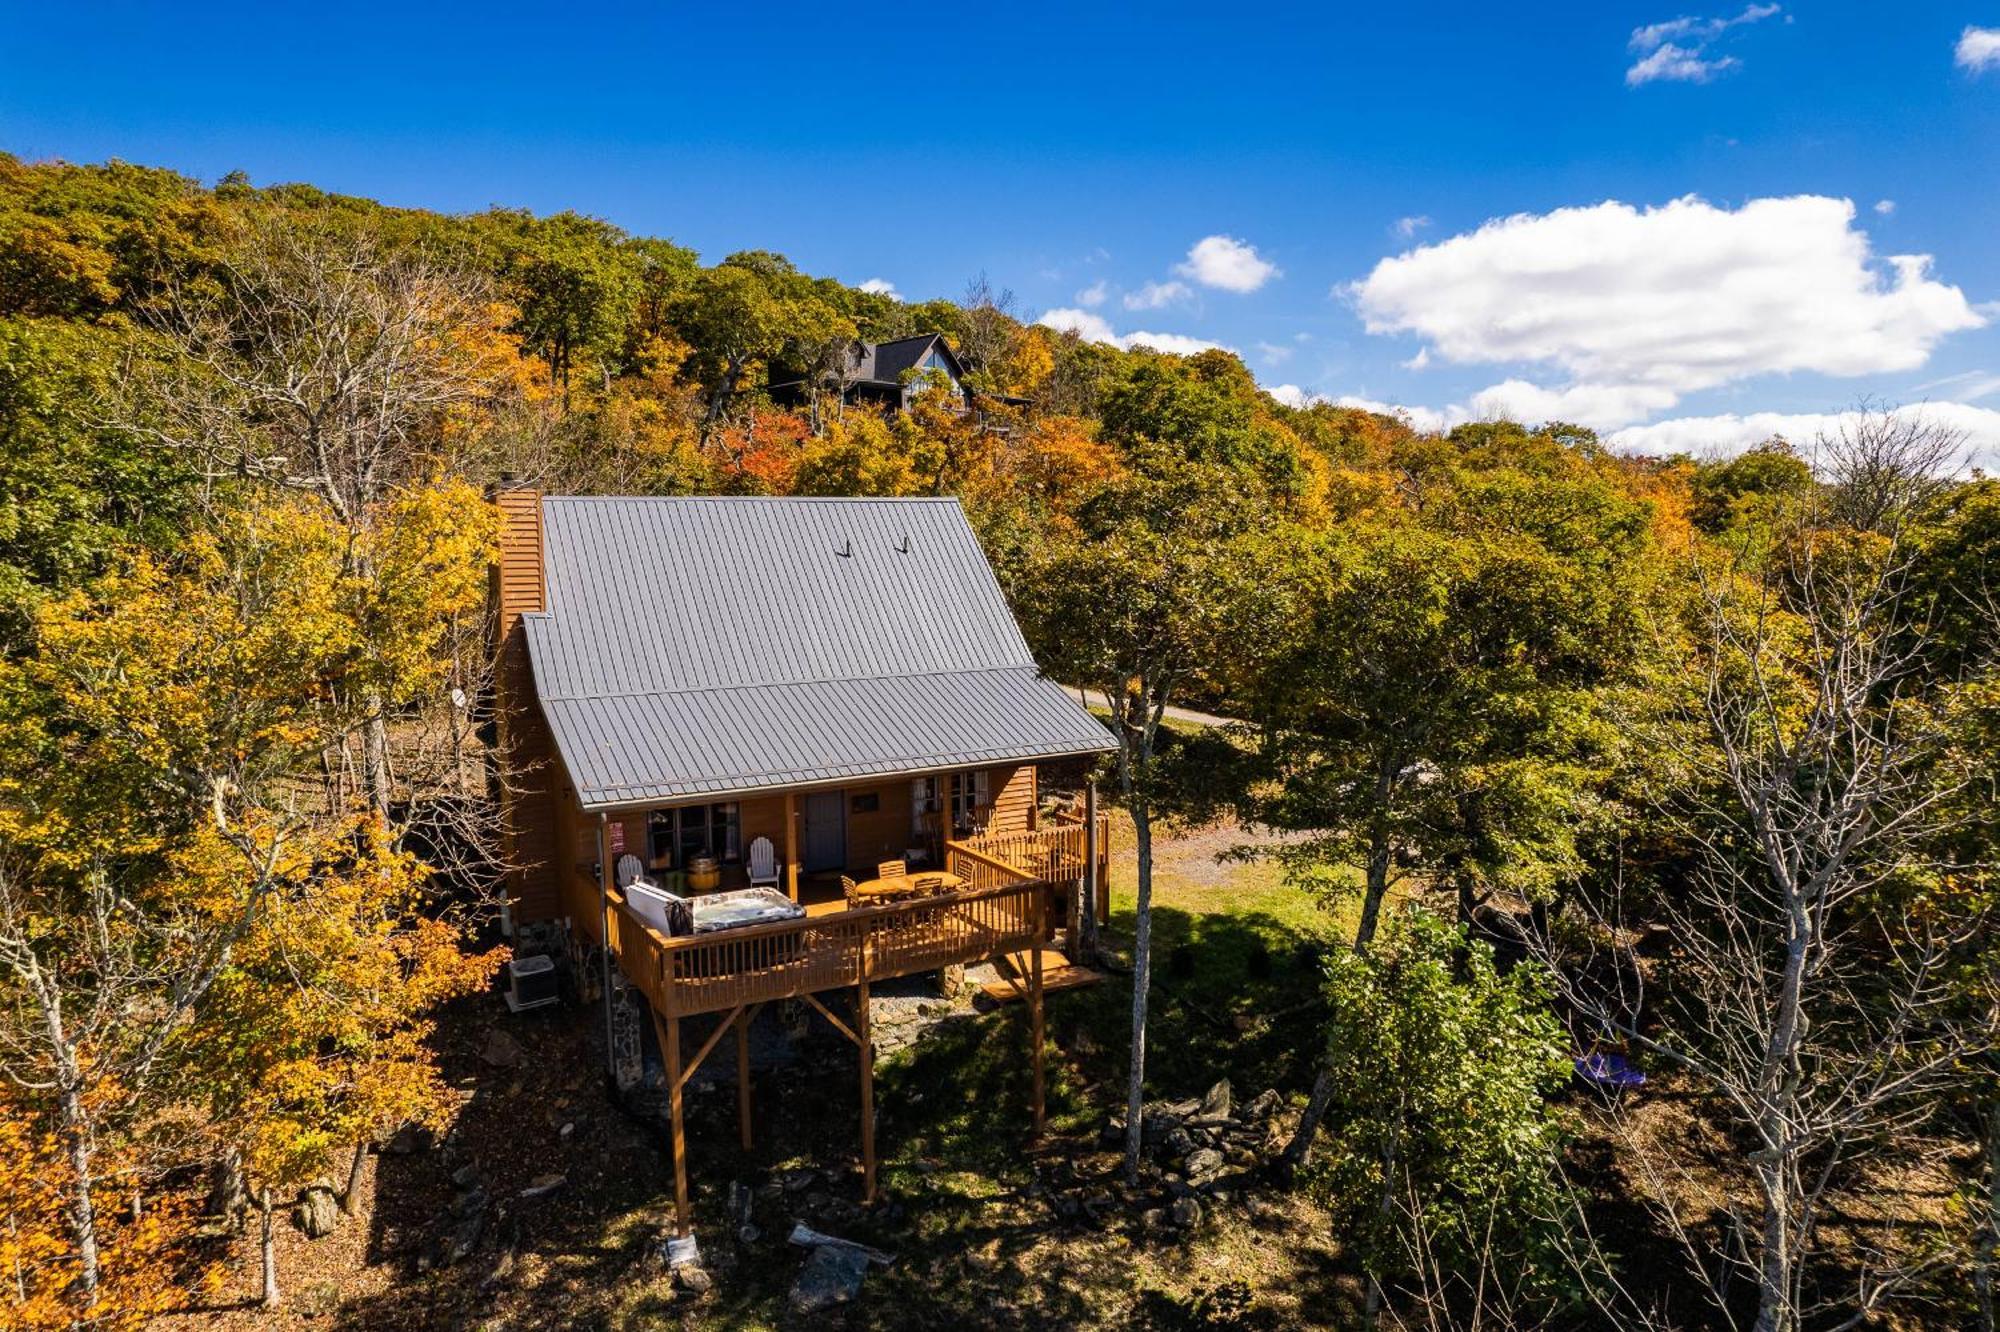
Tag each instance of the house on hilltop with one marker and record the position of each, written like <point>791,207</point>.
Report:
<point>820,708</point>
<point>889,376</point>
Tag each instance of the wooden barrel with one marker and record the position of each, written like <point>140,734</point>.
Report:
<point>704,875</point>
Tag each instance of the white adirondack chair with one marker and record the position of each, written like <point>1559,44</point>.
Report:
<point>763,864</point>
<point>629,870</point>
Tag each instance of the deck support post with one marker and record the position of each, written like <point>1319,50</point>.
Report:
<point>791,846</point>
<point>668,1029</point>
<point>864,1039</point>
<point>604,940</point>
<point>1035,1041</point>
<point>743,1075</point>
<point>1100,900</point>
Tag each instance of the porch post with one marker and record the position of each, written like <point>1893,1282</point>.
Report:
<point>866,1042</point>
<point>743,1075</point>
<point>792,846</point>
<point>1035,1003</point>
<point>604,939</point>
<point>1100,900</point>
<point>669,1031</point>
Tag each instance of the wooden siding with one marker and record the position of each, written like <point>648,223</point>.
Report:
<point>1013,794</point>
<point>532,799</point>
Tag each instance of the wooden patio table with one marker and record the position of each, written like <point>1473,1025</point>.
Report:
<point>874,892</point>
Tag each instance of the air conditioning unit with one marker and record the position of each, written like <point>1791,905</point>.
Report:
<point>531,983</point>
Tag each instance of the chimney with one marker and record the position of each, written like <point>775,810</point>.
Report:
<point>518,588</point>
<point>530,804</point>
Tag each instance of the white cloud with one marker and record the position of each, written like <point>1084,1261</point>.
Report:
<point>1641,307</point>
<point>1227,263</point>
<point>882,287</point>
<point>1966,386</point>
<point>1158,295</point>
<point>1093,295</point>
<point>1426,419</point>
<point>1407,227</point>
<point>1978,49</point>
<point>1675,64</point>
<point>1728,434</point>
<point>1293,396</point>
<point>1421,360</point>
<point>1884,207</point>
<point>1275,352</point>
<point>1096,328</point>
<point>1677,50</point>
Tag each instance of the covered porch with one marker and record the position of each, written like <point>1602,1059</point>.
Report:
<point>1019,890</point>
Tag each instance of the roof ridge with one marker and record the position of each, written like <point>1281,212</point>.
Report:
<point>760,499</point>
<point>793,684</point>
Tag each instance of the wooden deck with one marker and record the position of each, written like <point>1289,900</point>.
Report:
<point>683,977</point>
<point>1018,886</point>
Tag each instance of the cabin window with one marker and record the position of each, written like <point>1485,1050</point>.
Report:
<point>924,806</point>
<point>970,792</point>
<point>676,836</point>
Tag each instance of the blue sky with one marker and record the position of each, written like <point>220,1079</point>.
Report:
<point>1079,157</point>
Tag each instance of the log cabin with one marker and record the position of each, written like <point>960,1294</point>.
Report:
<point>836,683</point>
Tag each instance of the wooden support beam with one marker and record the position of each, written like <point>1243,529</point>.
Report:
<point>668,1030</point>
<point>604,937</point>
<point>792,846</point>
<point>694,1064</point>
<point>1100,895</point>
<point>828,1014</point>
<point>1035,1009</point>
<point>746,1016</point>
<point>867,1095</point>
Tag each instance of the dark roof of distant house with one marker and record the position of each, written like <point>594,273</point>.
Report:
<point>721,646</point>
<point>888,362</point>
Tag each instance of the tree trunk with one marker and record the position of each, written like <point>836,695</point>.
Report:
<point>1774,1275</point>
<point>1142,972</point>
<point>375,758</point>
<point>350,1195</point>
<point>725,388</point>
<point>1300,1146</point>
<point>1385,1208</point>
<point>226,1195</point>
<point>82,1211</point>
<point>1377,888</point>
<point>268,1243</point>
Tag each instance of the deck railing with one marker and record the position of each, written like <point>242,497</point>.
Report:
<point>716,972</point>
<point>1057,851</point>
<point>1016,884</point>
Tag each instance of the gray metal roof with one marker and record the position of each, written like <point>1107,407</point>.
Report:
<point>720,645</point>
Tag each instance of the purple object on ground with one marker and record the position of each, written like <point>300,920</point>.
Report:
<point>1608,1070</point>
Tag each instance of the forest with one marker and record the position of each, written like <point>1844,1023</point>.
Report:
<point>1599,762</point>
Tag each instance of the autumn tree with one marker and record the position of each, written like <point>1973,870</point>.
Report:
<point>145,822</point>
<point>1823,923</point>
<point>1136,600</point>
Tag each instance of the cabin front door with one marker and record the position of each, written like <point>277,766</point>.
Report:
<point>826,832</point>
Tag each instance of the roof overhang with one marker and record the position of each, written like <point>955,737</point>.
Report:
<point>632,751</point>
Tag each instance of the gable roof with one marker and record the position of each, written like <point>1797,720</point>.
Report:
<point>721,646</point>
<point>888,362</point>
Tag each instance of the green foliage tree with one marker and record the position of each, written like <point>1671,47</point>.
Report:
<point>1444,1161</point>
<point>76,492</point>
<point>1135,601</point>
